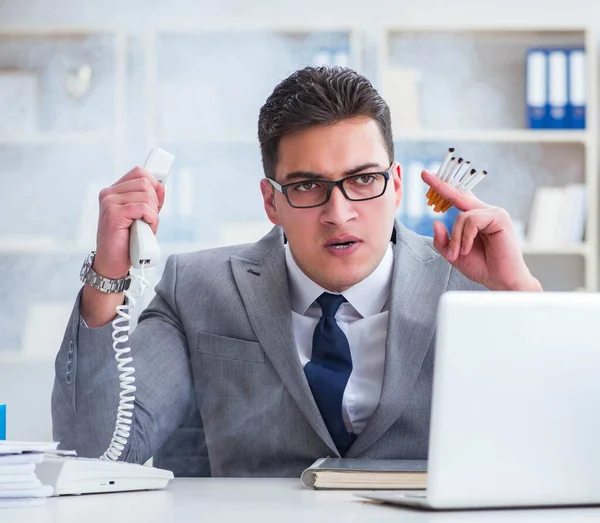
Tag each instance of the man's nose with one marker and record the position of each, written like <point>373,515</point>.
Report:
<point>338,210</point>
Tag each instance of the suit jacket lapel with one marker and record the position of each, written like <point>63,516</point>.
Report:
<point>261,277</point>
<point>419,276</point>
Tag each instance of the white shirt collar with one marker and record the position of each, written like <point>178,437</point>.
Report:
<point>368,296</point>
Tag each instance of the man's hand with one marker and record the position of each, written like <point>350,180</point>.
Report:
<point>137,195</point>
<point>483,245</point>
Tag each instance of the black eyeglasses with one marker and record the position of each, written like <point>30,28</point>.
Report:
<point>313,193</point>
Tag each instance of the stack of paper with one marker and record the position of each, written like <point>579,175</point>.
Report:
<point>19,485</point>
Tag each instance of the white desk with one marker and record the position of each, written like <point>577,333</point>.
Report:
<point>259,501</point>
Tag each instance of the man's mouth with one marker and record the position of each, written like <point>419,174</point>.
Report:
<point>342,243</point>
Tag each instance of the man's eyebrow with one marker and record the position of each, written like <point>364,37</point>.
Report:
<point>310,175</point>
<point>303,175</point>
<point>364,167</point>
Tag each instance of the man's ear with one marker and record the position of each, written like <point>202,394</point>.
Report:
<point>268,194</point>
<point>397,181</point>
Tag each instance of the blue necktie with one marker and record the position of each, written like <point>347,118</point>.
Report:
<point>329,369</point>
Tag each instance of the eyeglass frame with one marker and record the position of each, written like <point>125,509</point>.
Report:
<point>330,185</point>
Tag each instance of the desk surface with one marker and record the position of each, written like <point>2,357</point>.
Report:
<point>259,500</point>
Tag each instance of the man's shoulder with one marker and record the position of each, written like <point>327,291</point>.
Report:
<point>214,260</point>
<point>213,255</point>
<point>419,245</point>
<point>422,247</point>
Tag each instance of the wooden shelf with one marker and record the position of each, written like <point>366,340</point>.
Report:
<point>213,139</point>
<point>59,139</point>
<point>581,249</point>
<point>244,27</point>
<point>39,246</point>
<point>517,136</point>
<point>482,29</point>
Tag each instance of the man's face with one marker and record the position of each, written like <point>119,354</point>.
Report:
<point>332,152</point>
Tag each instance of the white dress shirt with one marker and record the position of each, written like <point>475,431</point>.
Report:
<point>364,322</point>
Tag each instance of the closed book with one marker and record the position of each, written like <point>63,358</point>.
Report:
<point>574,213</point>
<point>369,474</point>
<point>545,218</point>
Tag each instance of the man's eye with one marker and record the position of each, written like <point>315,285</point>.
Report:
<point>306,186</point>
<point>365,179</point>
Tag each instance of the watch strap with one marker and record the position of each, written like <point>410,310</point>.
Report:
<point>107,285</point>
<point>90,277</point>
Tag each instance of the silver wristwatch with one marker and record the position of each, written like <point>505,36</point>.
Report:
<point>90,277</point>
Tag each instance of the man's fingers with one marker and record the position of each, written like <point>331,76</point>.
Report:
<point>132,197</point>
<point>139,172</point>
<point>462,201</point>
<point>441,238</point>
<point>155,190</point>
<point>160,193</point>
<point>470,232</point>
<point>456,237</point>
<point>468,225</point>
<point>141,211</point>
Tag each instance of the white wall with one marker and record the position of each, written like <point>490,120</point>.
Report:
<point>139,14</point>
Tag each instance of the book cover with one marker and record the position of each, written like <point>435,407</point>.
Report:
<point>349,473</point>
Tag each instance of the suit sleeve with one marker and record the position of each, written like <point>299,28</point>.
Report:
<point>459,282</point>
<point>86,389</point>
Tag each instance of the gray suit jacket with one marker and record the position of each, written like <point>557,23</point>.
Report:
<point>215,352</point>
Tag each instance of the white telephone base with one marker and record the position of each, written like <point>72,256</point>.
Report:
<point>71,475</point>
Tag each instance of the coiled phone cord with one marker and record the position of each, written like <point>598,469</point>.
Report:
<point>120,335</point>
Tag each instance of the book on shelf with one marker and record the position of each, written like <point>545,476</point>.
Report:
<point>369,474</point>
<point>556,88</point>
<point>558,216</point>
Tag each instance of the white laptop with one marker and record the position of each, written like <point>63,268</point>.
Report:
<point>515,416</point>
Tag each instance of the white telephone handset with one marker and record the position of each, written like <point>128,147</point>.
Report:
<point>143,247</point>
<point>73,475</point>
<point>144,252</point>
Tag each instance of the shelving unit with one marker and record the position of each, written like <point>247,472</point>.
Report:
<point>197,92</point>
<point>55,168</point>
<point>468,85</point>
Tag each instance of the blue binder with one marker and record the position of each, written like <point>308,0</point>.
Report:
<point>577,89</point>
<point>558,88</point>
<point>537,88</point>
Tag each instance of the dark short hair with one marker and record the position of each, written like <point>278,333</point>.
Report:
<point>318,96</point>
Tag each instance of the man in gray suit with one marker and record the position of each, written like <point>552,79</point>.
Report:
<point>318,339</point>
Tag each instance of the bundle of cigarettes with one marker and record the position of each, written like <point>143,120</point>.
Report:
<point>457,173</point>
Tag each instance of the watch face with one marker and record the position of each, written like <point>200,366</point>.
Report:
<point>84,270</point>
<point>86,266</point>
